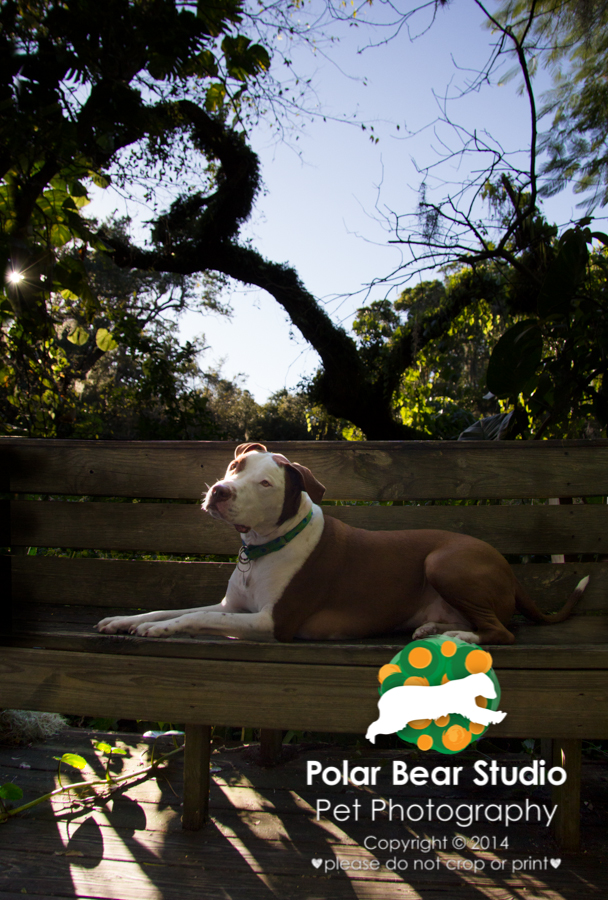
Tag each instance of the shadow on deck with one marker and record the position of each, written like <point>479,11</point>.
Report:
<point>264,839</point>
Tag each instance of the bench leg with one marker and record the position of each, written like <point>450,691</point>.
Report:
<point>197,756</point>
<point>271,745</point>
<point>567,821</point>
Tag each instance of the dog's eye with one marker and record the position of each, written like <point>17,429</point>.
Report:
<point>265,483</point>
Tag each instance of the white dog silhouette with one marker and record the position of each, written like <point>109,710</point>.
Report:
<point>410,702</point>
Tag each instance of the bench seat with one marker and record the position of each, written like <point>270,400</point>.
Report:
<point>74,511</point>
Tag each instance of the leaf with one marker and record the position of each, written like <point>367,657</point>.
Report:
<point>60,235</point>
<point>79,336</point>
<point>104,340</point>
<point>10,791</point>
<point>102,746</point>
<point>600,236</point>
<point>215,97</point>
<point>515,358</point>
<point>72,759</point>
<point>564,275</point>
<point>77,189</point>
<point>102,181</point>
<point>243,58</point>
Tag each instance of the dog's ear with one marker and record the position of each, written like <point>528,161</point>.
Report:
<point>294,485</point>
<point>246,448</point>
<point>297,479</point>
<point>312,486</point>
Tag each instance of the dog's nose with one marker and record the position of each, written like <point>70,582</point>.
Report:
<point>220,492</point>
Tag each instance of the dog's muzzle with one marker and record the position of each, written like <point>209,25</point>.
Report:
<point>219,493</point>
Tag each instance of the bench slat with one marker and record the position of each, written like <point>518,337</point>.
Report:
<point>44,619</point>
<point>184,528</point>
<point>126,583</point>
<point>320,698</point>
<point>137,584</point>
<point>579,643</point>
<point>362,470</point>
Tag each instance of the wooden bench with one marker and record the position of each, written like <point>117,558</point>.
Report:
<point>76,495</point>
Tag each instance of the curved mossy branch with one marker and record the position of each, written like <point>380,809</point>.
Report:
<point>199,233</point>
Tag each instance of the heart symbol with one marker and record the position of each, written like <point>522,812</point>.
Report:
<point>556,863</point>
<point>319,862</point>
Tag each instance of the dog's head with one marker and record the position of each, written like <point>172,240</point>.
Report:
<point>260,490</point>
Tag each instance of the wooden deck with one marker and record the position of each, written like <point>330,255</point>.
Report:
<point>263,835</point>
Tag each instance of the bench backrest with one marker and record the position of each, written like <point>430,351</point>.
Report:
<point>143,499</point>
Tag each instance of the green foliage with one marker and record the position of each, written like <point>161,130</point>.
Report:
<point>534,333</point>
<point>10,791</point>
<point>284,417</point>
<point>440,393</point>
<point>571,39</point>
<point>86,790</point>
<point>81,82</point>
<point>553,366</point>
<point>515,358</point>
<point>112,369</point>
<point>72,759</point>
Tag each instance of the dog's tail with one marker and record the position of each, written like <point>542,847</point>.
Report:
<point>528,607</point>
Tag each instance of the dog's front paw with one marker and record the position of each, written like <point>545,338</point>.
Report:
<point>467,636</point>
<point>113,624</point>
<point>152,629</point>
<point>427,629</point>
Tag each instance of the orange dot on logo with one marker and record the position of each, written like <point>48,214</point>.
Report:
<point>448,648</point>
<point>385,671</point>
<point>424,742</point>
<point>417,679</point>
<point>481,701</point>
<point>419,724</point>
<point>419,657</point>
<point>442,721</point>
<point>445,679</point>
<point>456,738</point>
<point>475,728</point>
<point>478,661</point>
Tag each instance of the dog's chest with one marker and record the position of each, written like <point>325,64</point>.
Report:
<point>257,584</point>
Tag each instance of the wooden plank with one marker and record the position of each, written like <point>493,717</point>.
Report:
<point>364,470</point>
<point>550,584</point>
<point>185,528</point>
<point>151,584</point>
<point>6,588</point>
<point>578,643</point>
<point>130,584</point>
<point>271,746</point>
<point>162,527</point>
<point>271,815</point>
<point>197,758</point>
<point>320,698</point>
<point>6,606</point>
<point>32,873</point>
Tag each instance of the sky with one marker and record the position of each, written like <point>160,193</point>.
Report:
<point>328,189</point>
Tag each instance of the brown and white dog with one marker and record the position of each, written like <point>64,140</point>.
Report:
<point>301,575</point>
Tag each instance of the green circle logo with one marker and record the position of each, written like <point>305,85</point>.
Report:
<point>436,661</point>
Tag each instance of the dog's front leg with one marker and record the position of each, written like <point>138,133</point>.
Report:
<point>257,626</point>
<point>112,624</point>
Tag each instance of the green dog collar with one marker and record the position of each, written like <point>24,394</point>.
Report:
<point>256,551</point>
